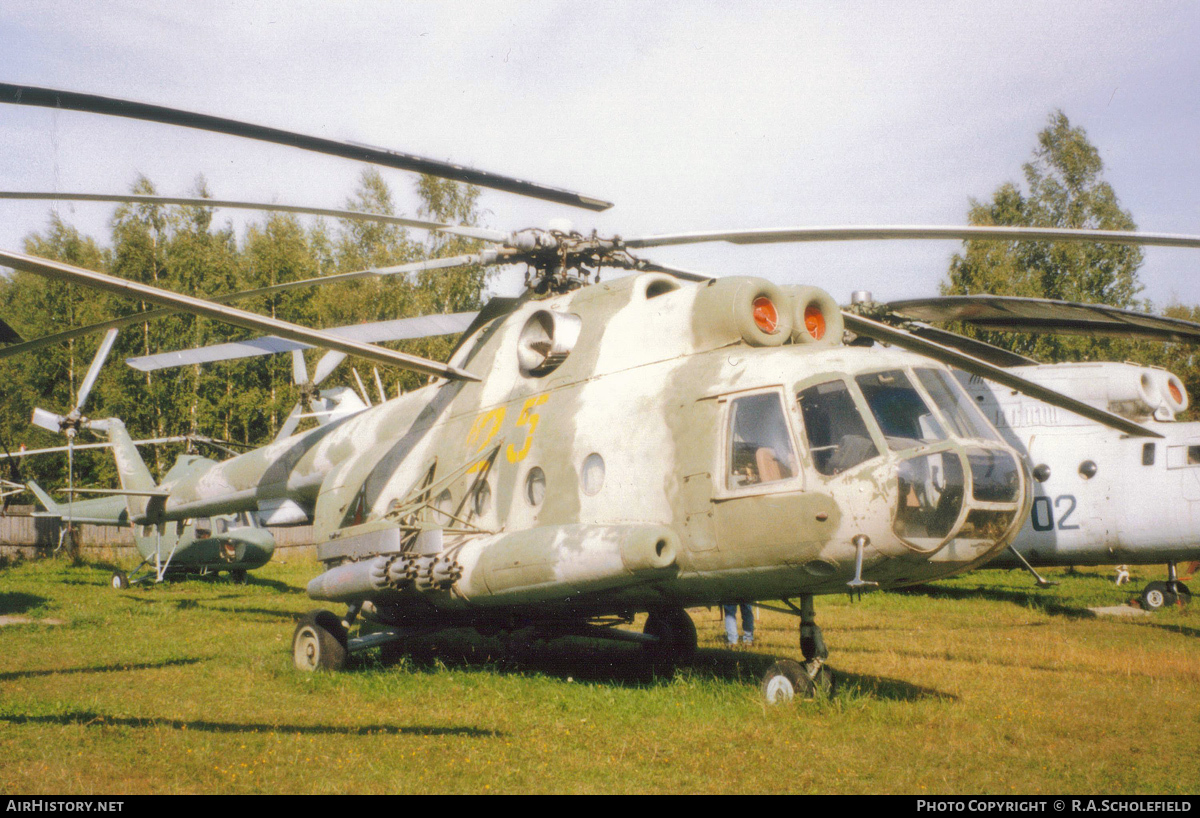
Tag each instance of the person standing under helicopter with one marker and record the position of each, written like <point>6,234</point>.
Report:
<point>731,628</point>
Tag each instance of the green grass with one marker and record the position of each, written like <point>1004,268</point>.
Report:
<point>982,684</point>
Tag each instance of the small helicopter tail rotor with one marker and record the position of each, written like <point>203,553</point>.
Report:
<point>70,423</point>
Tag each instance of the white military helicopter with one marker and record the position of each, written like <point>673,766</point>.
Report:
<point>646,444</point>
<point>1082,470</point>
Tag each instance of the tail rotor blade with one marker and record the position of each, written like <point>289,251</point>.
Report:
<point>299,368</point>
<point>290,423</point>
<point>329,362</point>
<point>379,385</point>
<point>361,389</point>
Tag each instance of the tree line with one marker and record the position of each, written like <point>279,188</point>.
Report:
<point>182,249</point>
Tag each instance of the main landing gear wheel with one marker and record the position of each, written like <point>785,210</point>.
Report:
<point>119,580</point>
<point>676,635</point>
<point>319,642</point>
<point>238,576</point>
<point>1157,595</point>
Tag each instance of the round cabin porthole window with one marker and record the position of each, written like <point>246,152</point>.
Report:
<point>593,474</point>
<point>535,486</point>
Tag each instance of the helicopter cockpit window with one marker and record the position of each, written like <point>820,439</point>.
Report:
<point>203,527</point>
<point>900,410</point>
<point>954,404</point>
<point>760,446</point>
<point>837,435</point>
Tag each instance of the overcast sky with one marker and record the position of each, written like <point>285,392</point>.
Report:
<point>689,116</point>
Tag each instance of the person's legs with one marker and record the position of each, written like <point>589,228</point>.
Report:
<point>731,631</point>
<point>747,623</point>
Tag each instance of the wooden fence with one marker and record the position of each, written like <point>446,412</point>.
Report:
<point>28,536</point>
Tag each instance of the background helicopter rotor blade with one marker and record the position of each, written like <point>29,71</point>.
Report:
<point>479,233</point>
<point>974,366</point>
<point>94,370</point>
<point>907,232</point>
<point>132,289</point>
<point>91,103</point>
<point>1041,315</point>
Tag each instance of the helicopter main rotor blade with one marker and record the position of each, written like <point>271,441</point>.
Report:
<point>486,257</point>
<point>94,370</point>
<point>399,329</point>
<point>1043,315</point>
<point>904,232</point>
<point>91,103</point>
<point>686,275</point>
<point>971,346</point>
<point>480,233</point>
<point>230,315</point>
<point>906,340</point>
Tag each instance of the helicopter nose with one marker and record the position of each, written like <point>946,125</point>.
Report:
<point>973,496</point>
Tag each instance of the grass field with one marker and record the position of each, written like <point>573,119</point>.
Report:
<point>983,684</point>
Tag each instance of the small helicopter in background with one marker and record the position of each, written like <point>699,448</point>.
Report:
<point>594,450</point>
<point>232,543</point>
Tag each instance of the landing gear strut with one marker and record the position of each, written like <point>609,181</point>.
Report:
<point>787,678</point>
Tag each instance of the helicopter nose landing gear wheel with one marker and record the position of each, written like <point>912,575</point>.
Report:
<point>787,678</point>
<point>119,580</point>
<point>319,642</point>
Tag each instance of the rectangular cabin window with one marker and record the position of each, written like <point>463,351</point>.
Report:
<point>1147,454</point>
<point>900,410</point>
<point>837,434</point>
<point>760,445</point>
<point>955,405</point>
<point>203,528</point>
